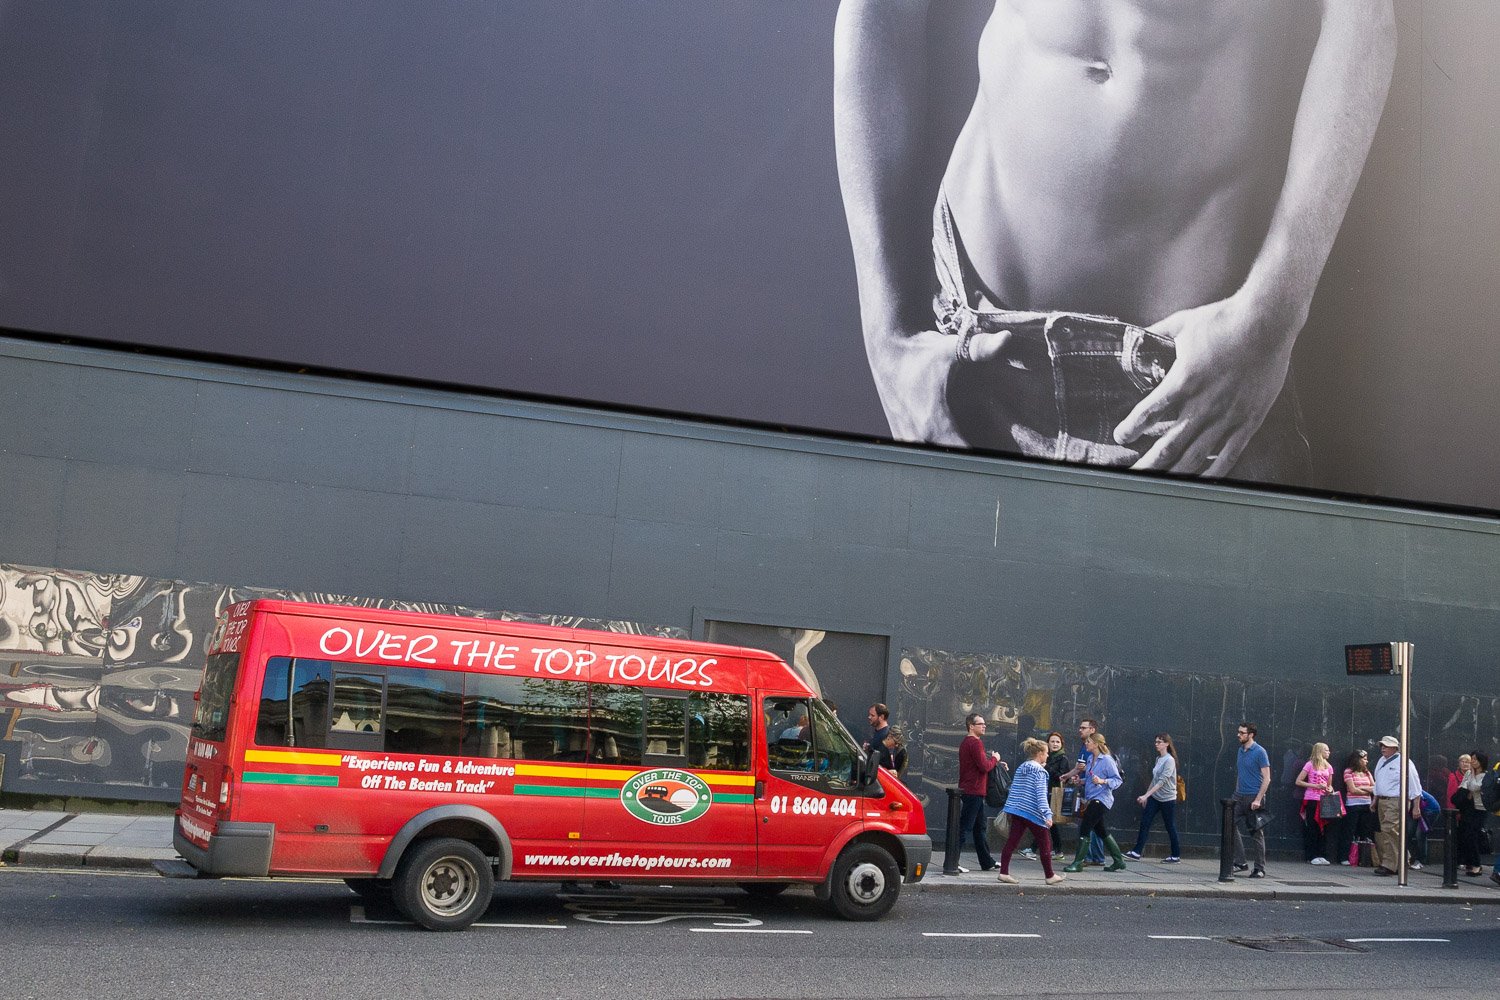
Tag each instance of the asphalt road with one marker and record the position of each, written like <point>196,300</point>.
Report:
<point>132,935</point>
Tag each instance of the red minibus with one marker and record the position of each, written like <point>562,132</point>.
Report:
<point>423,757</point>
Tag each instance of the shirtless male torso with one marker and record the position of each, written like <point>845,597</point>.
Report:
<point>1178,165</point>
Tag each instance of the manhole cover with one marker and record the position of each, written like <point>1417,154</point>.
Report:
<point>1291,944</point>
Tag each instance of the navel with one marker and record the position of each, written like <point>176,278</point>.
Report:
<point>1098,71</point>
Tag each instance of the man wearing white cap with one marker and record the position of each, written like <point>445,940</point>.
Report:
<point>1388,804</point>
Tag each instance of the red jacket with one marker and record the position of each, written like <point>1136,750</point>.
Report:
<point>974,766</point>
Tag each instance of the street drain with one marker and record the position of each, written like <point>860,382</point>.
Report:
<point>1292,944</point>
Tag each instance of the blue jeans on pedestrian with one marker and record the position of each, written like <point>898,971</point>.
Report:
<point>1066,379</point>
<point>971,822</point>
<point>1168,812</point>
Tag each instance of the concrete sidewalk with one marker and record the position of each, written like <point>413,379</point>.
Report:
<point>1198,878</point>
<point>44,839</point>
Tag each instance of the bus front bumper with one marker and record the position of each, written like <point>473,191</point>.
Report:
<point>234,849</point>
<point>918,847</point>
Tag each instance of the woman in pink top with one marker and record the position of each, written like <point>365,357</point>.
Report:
<point>1315,780</point>
<point>1359,792</point>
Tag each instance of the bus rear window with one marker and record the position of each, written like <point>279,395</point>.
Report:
<point>211,720</point>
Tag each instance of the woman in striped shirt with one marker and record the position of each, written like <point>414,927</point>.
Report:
<point>1100,779</point>
<point>1029,810</point>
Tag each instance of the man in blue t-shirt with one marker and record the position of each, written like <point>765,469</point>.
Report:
<point>1252,780</point>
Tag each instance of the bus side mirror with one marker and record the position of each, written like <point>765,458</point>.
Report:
<point>869,768</point>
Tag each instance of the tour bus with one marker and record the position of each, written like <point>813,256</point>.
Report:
<point>423,757</point>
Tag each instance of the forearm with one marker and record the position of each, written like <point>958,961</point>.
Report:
<point>880,107</point>
<point>1342,98</point>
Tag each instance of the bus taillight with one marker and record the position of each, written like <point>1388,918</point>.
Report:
<point>224,792</point>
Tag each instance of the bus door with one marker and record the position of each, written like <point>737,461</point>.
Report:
<point>670,783</point>
<point>809,786</point>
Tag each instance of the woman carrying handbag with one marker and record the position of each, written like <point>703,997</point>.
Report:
<point>1321,805</point>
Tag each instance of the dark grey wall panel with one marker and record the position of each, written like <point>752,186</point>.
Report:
<point>188,471</point>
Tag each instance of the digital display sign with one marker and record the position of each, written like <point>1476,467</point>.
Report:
<point>1369,658</point>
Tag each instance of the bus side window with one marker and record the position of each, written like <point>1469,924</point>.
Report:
<point>719,731</point>
<point>356,716</point>
<point>294,703</point>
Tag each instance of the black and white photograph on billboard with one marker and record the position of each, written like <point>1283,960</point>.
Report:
<point>1250,242</point>
<point>1128,231</point>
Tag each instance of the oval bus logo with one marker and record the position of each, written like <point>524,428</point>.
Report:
<point>666,797</point>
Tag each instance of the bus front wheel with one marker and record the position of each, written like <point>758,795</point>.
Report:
<point>444,884</point>
<point>864,883</point>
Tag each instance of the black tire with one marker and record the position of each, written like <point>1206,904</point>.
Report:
<point>765,890</point>
<point>371,890</point>
<point>443,884</point>
<point>864,883</point>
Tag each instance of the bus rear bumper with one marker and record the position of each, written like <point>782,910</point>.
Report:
<point>918,848</point>
<point>234,849</point>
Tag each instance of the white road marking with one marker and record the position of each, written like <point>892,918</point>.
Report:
<point>946,934</point>
<point>1399,940</point>
<point>744,930</point>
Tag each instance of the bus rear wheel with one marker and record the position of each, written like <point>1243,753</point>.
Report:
<point>444,884</point>
<point>864,883</point>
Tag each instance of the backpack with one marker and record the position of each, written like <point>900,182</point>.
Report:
<point>1489,790</point>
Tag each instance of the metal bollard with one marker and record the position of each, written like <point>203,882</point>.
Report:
<point>950,842</point>
<point>1226,842</point>
<point>1450,848</point>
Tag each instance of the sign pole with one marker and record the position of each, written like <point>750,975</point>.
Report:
<point>1401,654</point>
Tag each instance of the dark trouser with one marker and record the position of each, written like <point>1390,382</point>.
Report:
<point>1470,823</point>
<point>1092,821</point>
<point>1168,812</point>
<point>971,823</point>
<point>1314,835</point>
<point>1066,379</point>
<point>1358,826</point>
<point>1242,813</point>
<point>1018,826</point>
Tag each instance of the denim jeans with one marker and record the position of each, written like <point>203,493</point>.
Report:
<point>1168,812</point>
<point>971,822</point>
<point>1066,379</point>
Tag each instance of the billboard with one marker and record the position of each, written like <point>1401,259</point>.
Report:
<point>1253,242</point>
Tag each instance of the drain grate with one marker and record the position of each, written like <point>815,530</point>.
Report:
<point>1292,944</point>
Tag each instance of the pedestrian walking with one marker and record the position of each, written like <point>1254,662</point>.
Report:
<point>1316,780</point>
<point>1086,728</point>
<point>974,766</point>
<point>1030,811</point>
<point>1058,764</point>
<point>1252,780</point>
<point>1160,797</point>
<point>895,742</point>
<point>1359,805</point>
<point>1100,779</point>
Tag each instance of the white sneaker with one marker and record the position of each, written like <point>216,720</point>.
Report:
<point>1345,863</point>
<point>1028,854</point>
<point>1415,866</point>
<point>1318,861</point>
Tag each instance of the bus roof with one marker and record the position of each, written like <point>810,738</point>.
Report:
<point>766,669</point>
